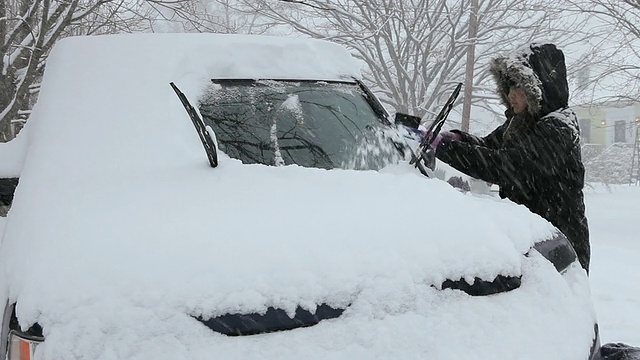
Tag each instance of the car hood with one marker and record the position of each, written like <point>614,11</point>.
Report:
<point>243,237</point>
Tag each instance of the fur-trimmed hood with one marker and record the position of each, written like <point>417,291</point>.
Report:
<point>541,71</point>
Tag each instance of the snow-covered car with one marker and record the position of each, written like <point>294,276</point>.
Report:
<point>302,234</point>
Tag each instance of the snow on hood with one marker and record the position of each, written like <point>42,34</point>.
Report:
<point>117,205</point>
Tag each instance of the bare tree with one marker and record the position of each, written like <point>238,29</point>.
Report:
<point>615,73</point>
<point>416,49</point>
<point>214,16</point>
<point>29,29</point>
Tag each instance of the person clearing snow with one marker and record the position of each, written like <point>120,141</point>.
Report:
<point>535,155</point>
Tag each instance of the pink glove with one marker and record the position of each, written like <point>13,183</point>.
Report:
<point>445,135</point>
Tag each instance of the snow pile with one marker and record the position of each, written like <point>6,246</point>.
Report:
<point>612,166</point>
<point>590,151</point>
<point>135,233</point>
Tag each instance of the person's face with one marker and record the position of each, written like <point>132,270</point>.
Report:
<point>517,100</point>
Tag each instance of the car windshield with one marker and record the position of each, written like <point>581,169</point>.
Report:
<point>309,123</point>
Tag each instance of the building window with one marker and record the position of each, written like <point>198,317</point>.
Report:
<point>620,131</point>
<point>585,130</point>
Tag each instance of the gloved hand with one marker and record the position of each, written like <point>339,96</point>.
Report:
<point>445,135</point>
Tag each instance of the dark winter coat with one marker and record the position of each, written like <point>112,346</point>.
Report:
<point>534,157</point>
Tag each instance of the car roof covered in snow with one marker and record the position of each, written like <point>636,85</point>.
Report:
<point>127,230</point>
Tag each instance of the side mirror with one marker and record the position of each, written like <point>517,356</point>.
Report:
<point>407,120</point>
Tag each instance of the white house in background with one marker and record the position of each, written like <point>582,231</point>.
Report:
<point>610,133</point>
<point>609,123</point>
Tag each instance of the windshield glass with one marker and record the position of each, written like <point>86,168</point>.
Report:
<point>308,123</point>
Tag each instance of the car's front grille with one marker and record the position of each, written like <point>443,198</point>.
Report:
<point>273,320</point>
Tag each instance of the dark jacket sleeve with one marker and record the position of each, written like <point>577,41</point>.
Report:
<point>492,140</point>
<point>541,153</point>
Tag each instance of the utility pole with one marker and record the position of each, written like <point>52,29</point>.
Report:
<point>471,57</point>
<point>634,176</point>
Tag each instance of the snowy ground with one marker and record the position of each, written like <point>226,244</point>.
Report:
<point>614,220</point>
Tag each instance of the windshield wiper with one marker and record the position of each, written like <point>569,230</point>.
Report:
<point>205,136</point>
